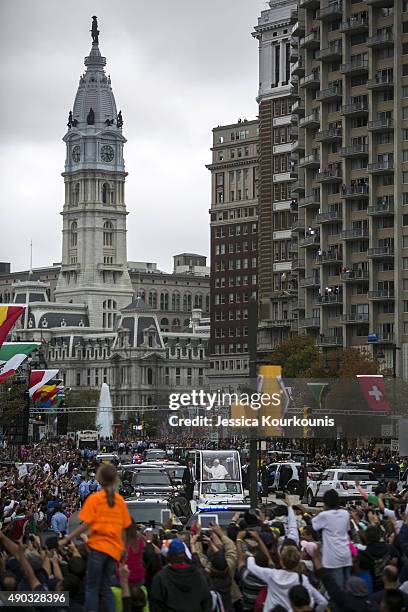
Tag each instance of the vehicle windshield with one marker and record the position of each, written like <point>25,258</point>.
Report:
<point>220,465</point>
<point>151,479</point>
<point>155,454</point>
<point>176,472</point>
<point>145,512</point>
<point>356,476</point>
<point>221,488</point>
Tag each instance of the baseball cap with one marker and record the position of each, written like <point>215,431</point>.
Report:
<point>176,548</point>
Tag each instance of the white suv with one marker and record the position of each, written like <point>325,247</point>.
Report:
<point>343,481</point>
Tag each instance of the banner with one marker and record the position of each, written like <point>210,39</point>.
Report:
<point>10,349</point>
<point>9,314</point>
<point>9,368</point>
<point>39,378</point>
<point>373,390</point>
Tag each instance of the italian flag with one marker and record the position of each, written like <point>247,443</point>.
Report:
<point>12,355</point>
<point>9,313</point>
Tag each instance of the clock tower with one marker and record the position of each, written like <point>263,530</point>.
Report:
<point>94,255</point>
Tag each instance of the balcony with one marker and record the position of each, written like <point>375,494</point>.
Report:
<point>380,41</point>
<point>330,216</point>
<point>330,94</point>
<point>381,167</point>
<point>355,276</point>
<point>294,131</point>
<point>355,25</point>
<point>298,108</point>
<point>300,305</point>
<point>309,281</point>
<point>354,68</point>
<point>380,3</point>
<point>385,338</point>
<point>312,201</point>
<point>329,257</point>
<point>379,125</point>
<point>310,121</point>
<point>298,264</point>
<point>294,326</point>
<point>383,208</point>
<point>330,135</point>
<point>310,81</point>
<point>298,186</point>
<point>298,29</point>
<point>310,241</point>
<point>297,145</point>
<point>354,109</point>
<point>356,150</point>
<point>330,12</point>
<point>294,54</point>
<point>309,3</point>
<point>329,340</point>
<point>330,53</point>
<point>278,323</point>
<point>311,41</point>
<point>381,82</point>
<point>355,317</point>
<point>299,68</point>
<point>310,322</point>
<point>383,252</point>
<point>381,295</point>
<point>355,233</point>
<point>310,161</point>
<point>355,191</point>
<point>329,176</point>
<point>298,226</point>
<point>330,299</point>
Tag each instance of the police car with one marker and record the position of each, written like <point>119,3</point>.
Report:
<point>342,480</point>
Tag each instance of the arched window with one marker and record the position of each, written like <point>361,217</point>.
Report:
<point>207,303</point>
<point>105,193</point>
<point>176,323</point>
<point>175,301</point>
<point>149,376</point>
<point>153,299</point>
<point>74,235</point>
<point>198,300</point>
<point>164,324</point>
<point>164,301</point>
<point>109,309</point>
<point>75,194</point>
<point>187,302</point>
<point>108,234</point>
<point>186,322</point>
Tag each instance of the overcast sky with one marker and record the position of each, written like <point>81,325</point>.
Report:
<point>178,69</point>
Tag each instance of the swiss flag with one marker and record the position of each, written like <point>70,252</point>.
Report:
<point>372,386</point>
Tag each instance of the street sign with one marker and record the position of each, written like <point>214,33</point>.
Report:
<point>394,447</point>
<point>372,338</point>
<point>386,430</point>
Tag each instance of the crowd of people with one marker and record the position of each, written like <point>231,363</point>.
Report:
<point>66,528</point>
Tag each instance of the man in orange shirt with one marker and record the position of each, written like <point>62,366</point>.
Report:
<point>105,515</point>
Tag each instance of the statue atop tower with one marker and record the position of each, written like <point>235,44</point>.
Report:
<point>94,30</point>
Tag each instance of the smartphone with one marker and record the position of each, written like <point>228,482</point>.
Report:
<point>165,516</point>
<point>207,520</point>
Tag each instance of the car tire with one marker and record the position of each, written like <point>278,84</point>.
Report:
<point>311,500</point>
<point>293,487</point>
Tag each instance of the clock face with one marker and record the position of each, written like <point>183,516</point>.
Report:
<point>107,153</point>
<point>76,153</point>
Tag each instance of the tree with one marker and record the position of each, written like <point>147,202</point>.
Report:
<point>296,356</point>
<point>83,398</point>
<point>343,363</point>
<point>12,399</point>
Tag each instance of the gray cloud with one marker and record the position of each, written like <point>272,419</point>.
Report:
<point>178,69</point>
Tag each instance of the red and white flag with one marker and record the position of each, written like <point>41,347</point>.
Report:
<point>372,386</point>
<point>39,378</point>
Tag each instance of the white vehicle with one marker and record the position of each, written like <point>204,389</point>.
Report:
<point>107,458</point>
<point>343,481</point>
<point>87,439</point>
<point>218,480</point>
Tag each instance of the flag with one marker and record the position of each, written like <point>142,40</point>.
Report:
<point>10,349</point>
<point>9,368</point>
<point>9,313</point>
<point>317,390</point>
<point>372,386</point>
<point>45,392</point>
<point>39,378</point>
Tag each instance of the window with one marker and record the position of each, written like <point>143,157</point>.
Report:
<point>75,194</point>
<point>108,234</point>
<point>74,235</point>
<point>153,299</point>
<point>107,194</point>
<point>164,301</point>
<point>405,177</point>
<point>109,309</point>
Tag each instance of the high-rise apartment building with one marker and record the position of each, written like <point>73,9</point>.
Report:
<point>277,284</point>
<point>234,193</point>
<point>350,104</point>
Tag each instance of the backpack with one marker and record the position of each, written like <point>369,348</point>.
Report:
<point>216,602</point>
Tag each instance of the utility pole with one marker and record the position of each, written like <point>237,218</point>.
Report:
<point>253,371</point>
